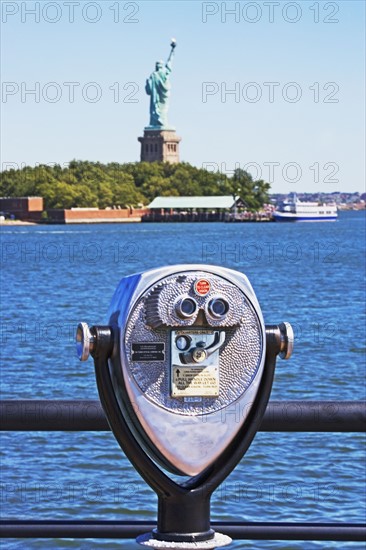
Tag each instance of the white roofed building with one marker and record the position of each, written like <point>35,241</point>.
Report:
<point>203,208</point>
<point>224,202</point>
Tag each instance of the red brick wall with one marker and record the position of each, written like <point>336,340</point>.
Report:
<point>92,215</point>
<point>35,204</point>
<point>23,208</point>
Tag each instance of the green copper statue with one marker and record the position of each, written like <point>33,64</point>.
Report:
<point>158,88</point>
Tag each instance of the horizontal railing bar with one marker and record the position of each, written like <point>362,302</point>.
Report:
<point>88,415</point>
<point>236,530</point>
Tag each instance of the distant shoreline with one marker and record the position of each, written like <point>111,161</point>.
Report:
<point>18,222</point>
<point>10,223</point>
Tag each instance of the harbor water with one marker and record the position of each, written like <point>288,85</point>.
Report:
<point>310,274</point>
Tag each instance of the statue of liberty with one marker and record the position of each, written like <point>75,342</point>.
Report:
<point>158,88</point>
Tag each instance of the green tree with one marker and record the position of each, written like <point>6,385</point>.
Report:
<point>156,186</point>
<point>105,193</point>
<point>253,193</point>
<point>126,194</point>
<point>57,195</point>
<point>182,183</point>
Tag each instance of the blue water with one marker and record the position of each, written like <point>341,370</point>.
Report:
<point>309,274</point>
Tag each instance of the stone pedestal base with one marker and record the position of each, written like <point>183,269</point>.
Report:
<point>159,146</point>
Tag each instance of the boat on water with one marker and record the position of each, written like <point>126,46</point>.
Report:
<point>294,210</point>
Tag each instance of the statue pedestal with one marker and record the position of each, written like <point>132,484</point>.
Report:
<point>159,146</point>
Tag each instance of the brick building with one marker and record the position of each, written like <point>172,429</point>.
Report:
<point>22,208</point>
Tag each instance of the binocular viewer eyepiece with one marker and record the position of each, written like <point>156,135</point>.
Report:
<point>184,368</point>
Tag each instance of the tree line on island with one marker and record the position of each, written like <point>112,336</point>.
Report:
<point>93,184</point>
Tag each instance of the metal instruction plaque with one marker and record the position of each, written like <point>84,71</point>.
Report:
<point>144,352</point>
<point>195,381</point>
<point>195,363</point>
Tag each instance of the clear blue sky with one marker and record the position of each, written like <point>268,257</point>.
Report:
<point>303,63</point>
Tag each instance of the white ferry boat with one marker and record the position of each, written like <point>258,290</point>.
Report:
<point>294,210</point>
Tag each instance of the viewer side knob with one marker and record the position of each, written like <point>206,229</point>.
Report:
<point>84,341</point>
<point>287,340</point>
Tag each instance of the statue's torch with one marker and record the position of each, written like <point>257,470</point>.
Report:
<point>173,45</point>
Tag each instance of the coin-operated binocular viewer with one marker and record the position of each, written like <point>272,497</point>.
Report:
<point>184,370</point>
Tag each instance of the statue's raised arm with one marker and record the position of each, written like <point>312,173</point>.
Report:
<point>169,61</point>
<point>158,88</point>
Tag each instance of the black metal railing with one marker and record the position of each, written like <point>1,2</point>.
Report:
<point>88,415</point>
